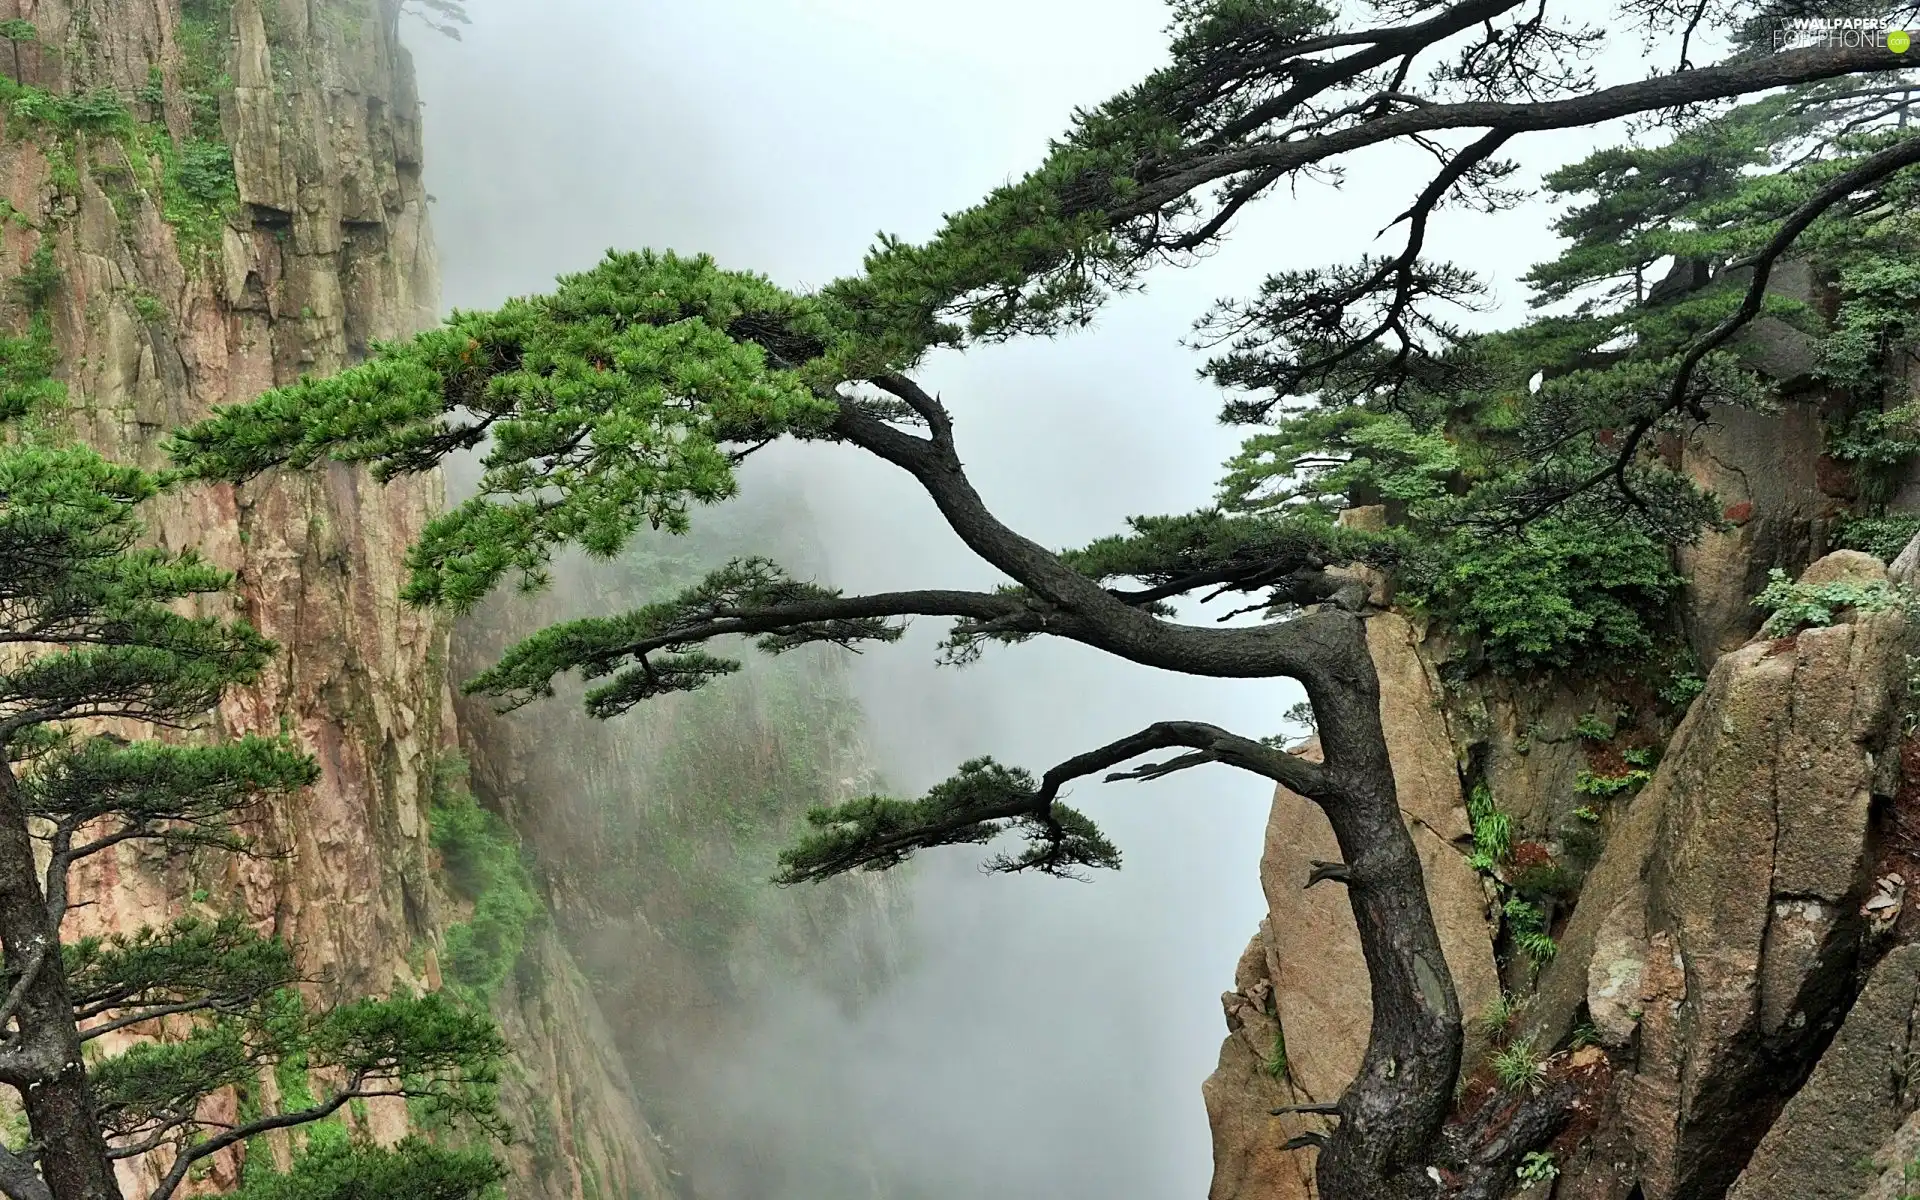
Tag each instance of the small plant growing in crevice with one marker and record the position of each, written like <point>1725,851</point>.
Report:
<point>1519,1067</point>
<point>1909,1179</point>
<point>1581,839</point>
<point>1527,922</point>
<point>37,284</point>
<point>484,864</point>
<point>147,306</point>
<point>1681,687</point>
<point>1593,728</point>
<point>1493,847</point>
<point>1276,1064</point>
<point>1495,1021</point>
<point>1538,1167</point>
<point>27,386</point>
<point>1605,787</point>
<point>1796,606</point>
<point>153,93</point>
<point>1524,743</point>
<point>1492,830</point>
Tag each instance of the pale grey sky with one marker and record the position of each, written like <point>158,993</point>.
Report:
<point>1052,1042</point>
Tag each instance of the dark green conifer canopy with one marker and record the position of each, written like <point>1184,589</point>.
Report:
<point>1525,504</point>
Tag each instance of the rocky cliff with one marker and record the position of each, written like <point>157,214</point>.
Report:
<point>202,199</point>
<point>1688,903</point>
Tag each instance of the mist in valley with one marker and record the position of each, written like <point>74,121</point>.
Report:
<point>1040,1038</point>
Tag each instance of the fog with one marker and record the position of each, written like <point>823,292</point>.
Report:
<point>1049,1038</point>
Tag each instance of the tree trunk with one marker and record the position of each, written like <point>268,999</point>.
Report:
<point>1387,1135</point>
<point>53,1084</point>
<point>74,1163</point>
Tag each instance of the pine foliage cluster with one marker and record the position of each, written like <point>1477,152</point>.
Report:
<point>1528,476</point>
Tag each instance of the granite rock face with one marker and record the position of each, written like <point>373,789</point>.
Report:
<point>155,320</point>
<point>1716,944</point>
<point>1858,1098</point>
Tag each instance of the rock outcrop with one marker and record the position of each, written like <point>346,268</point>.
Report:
<point>1716,945</point>
<point>1716,942</point>
<point>1777,487</point>
<point>1255,1077</point>
<point>167,300</point>
<point>1857,1099</point>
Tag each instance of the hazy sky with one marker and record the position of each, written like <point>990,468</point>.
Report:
<point>1053,1040</point>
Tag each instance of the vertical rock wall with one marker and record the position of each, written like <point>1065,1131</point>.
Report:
<point>169,298</point>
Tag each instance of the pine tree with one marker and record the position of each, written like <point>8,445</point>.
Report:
<point>90,631</point>
<point>629,394</point>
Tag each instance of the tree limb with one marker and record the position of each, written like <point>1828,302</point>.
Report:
<point>240,1133</point>
<point>971,815</point>
<point>1160,770</point>
<point>152,1013</point>
<point>1324,872</point>
<point>28,973</point>
<point>1718,82</point>
<point>1401,279</point>
<point>1321,1110</point>
<point>939,421</point>
<point>1086,612</point>
<point>1383,46</point>
<point>18,1179</point>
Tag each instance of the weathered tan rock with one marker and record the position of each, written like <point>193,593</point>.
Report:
<point>1722,918</point>
<point>1368,518</point>
<point>1906,564</point>
<point>1894,1162</point>
<point>1780,351</point>
<point>1244,1089</point>
<point>1854,1102</point>
<point>1854,566</point>
<point>1378,583</point>
<point>1320,984</point>
<point>1768,470</point>
<point>1762,469</point>
<point>1617,971</point>
<point>1425,776</point>
<point>1523,733</point>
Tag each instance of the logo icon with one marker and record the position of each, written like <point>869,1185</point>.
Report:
<point>1898,41</point>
